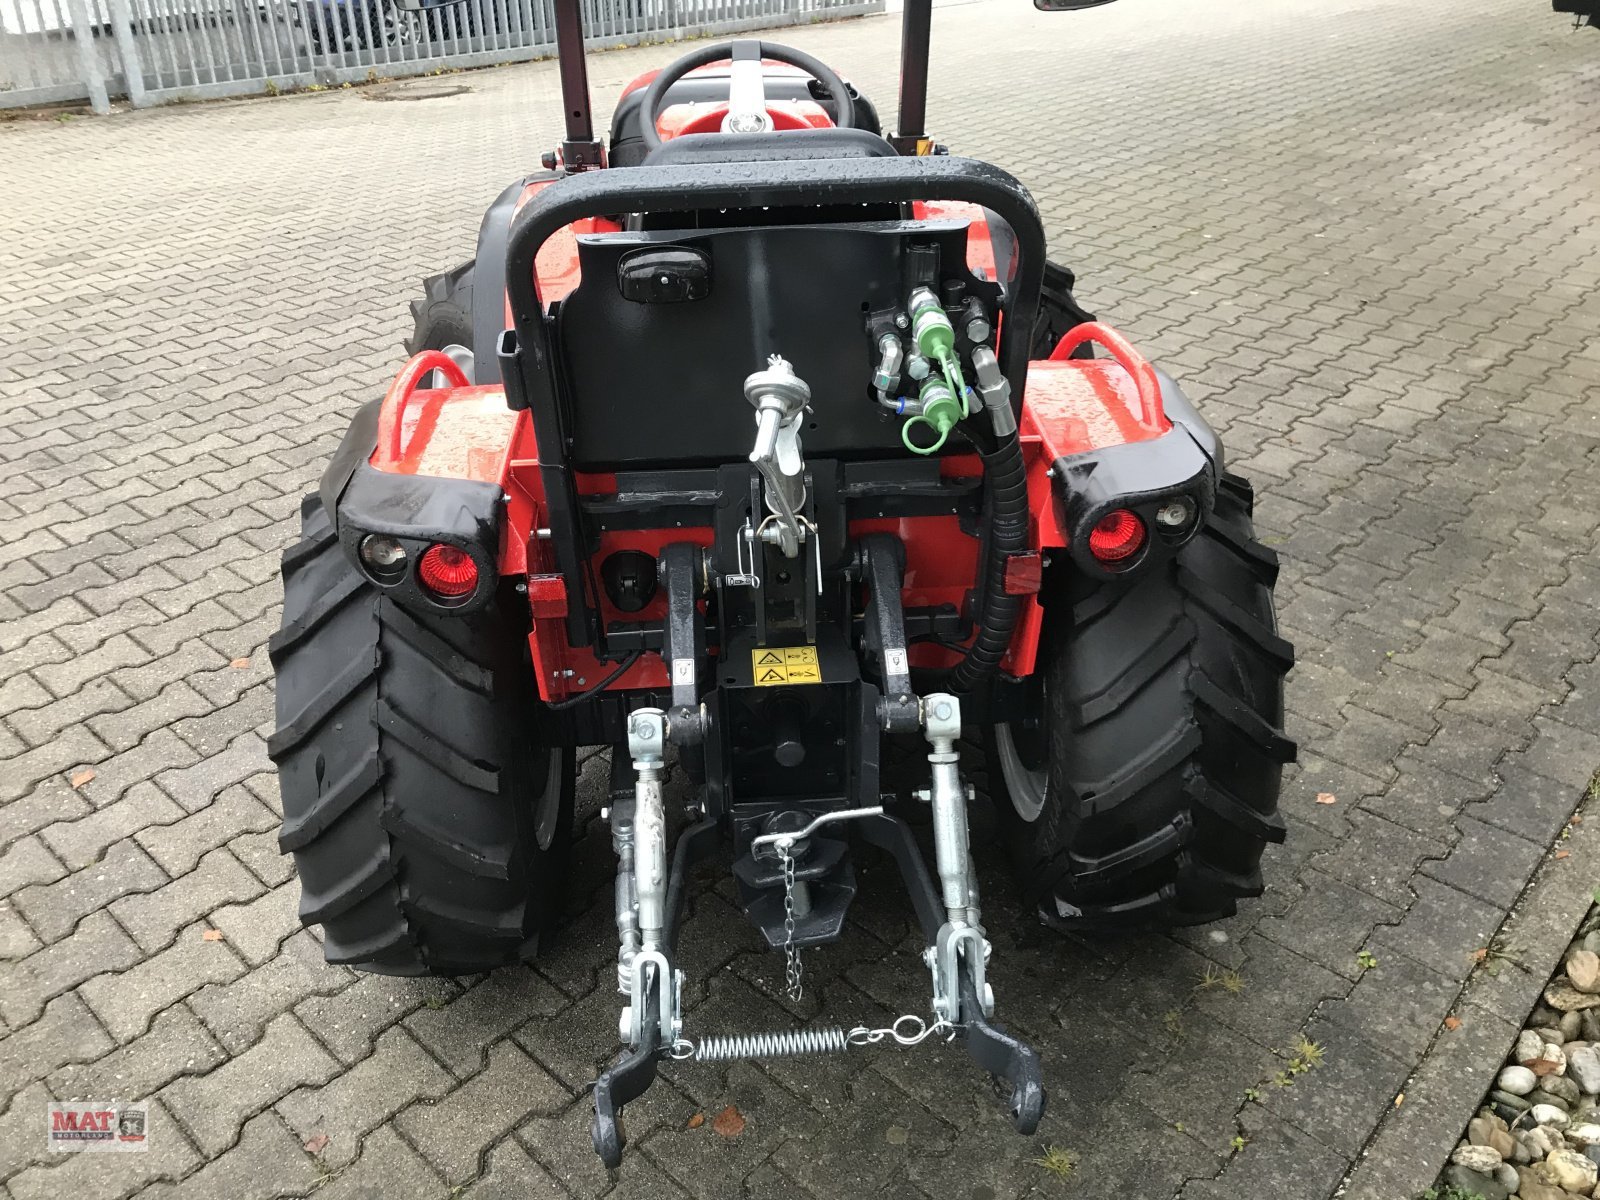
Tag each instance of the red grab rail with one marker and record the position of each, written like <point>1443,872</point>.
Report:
<point>1152,411</point>
<point>398,396</point>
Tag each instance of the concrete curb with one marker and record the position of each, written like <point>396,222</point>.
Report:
<point>1408,1149</point>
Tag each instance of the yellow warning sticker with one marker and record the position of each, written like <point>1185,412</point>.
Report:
<point>784,665</point>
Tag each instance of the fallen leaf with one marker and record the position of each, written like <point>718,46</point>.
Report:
<point>79,778</point>
<point>697,1120</point>
<point>316,1142</point>
<point>1563,854</point>
<point>1480,954</point>
<point>1452,1023</point>
<point>1327,798</point>
<point>729,1123</point>
<point>211,935</point>
<point>1400,1099</point>
<point>1545,1066</point>
<point>239,664</point>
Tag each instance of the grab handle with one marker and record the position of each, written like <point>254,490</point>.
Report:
<point>398,396</point>
<point>1152,411</point>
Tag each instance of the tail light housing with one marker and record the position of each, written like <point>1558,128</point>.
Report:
<point>1117,537</point>
<point>383,558</point>
<point>448,572</point>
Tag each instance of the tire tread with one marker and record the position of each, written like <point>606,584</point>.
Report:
<point>414,843</point>
<point>1165,734</point>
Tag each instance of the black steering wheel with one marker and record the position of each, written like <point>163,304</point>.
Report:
<point>747,99</point>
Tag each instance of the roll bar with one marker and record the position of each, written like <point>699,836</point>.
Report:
<point>788,184</point>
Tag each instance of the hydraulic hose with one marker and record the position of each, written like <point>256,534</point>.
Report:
<point>1006,533</point>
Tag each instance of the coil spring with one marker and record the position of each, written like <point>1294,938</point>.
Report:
<point>827,1039</point>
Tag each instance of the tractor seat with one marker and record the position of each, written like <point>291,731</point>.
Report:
<point>711,86</point>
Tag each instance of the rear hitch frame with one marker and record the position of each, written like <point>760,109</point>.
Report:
<point>956,950</point>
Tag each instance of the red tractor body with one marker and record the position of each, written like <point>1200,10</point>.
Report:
<point>1072,407</point>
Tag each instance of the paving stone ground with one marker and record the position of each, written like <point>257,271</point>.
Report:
<point>1365,234</point>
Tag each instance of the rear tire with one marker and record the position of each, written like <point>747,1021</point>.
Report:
<point>1150,789</point>
<point>443,317</point>
<point>1059,313</point>
<point>427,821</point>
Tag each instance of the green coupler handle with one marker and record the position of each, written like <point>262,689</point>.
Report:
<point>930,327</point>
<point>935,337</point>
<point>940,412</point>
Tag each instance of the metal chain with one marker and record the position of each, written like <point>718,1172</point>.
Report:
<point>792,968</point>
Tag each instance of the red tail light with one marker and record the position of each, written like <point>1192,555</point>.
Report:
<point>448,572</point>
<point>1116,536</point>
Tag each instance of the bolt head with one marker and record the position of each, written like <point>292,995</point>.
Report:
<point>942,711</point>
<point>1174,515</point>
<point>902,321</point>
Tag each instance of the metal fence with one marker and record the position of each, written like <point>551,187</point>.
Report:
<point>156,51</point>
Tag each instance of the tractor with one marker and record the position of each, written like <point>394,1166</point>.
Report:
<point>753,441</point>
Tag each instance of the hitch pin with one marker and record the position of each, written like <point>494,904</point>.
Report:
<point>745,576</point>
<point>789,839</point>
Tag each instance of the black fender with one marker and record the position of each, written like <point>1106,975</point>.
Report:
<point>1184,463</point>
<point>417,510</point>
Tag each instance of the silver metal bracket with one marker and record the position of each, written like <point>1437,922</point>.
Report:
<point>652,973</point>
<point>941,719</point>
<point>780,398</point>
<point>771,531</point>
<point>959,948</point>
<point>646,736</point>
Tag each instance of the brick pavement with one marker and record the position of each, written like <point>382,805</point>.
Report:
<point>1362,232</point>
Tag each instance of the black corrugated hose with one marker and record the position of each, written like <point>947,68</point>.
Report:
<point>1006,502</point>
